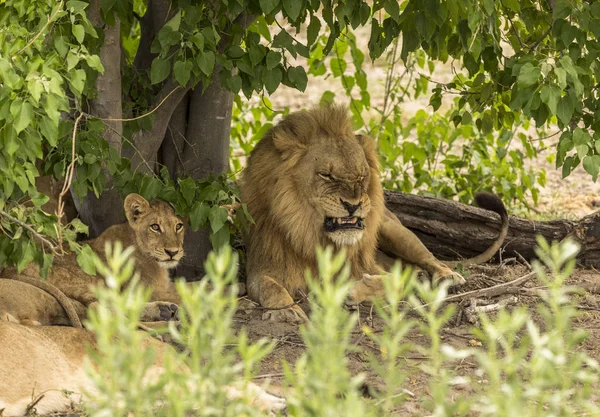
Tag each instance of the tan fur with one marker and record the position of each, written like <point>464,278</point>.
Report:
<point>151,262</point>
<point>49,360</point>
<point>289,194</point>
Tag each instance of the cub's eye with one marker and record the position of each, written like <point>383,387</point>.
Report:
<point>179,226</point>
<point>326,176</point>
<point>155,227</point>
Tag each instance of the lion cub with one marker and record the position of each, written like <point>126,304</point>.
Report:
<point>157,235</point>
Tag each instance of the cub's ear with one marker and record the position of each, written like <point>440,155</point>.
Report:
<point>135,206</point>
<point>368,146</point>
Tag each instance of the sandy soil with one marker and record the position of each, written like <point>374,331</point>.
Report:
<point>289,344</point>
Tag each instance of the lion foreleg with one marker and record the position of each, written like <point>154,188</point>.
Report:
<point>275,299</point>
<point>399,241</point>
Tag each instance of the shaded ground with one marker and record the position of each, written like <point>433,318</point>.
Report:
<point>289,346</point>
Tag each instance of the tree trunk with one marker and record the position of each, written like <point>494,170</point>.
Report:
<point>205,153</point>
<point>453,230</point>
<point>100,213</point>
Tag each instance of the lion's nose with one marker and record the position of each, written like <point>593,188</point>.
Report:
<point>350,207</point>
<point>171,253</point>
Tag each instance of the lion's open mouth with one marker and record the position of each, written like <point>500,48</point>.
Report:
<point>333,224</point>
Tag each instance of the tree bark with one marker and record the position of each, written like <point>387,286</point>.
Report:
<point>100,213</point>
<point>452,230</point>
<point>205,153</point>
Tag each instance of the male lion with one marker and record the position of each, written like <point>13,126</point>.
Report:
<point>39,365</point>
<point>157,235</point>
<point>311,181</point>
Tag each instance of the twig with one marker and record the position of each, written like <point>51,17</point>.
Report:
<point>67,184</point>
<point>278,375</point>
<point>522,259</point>
<point>505,288</point>
<point>535,45</point>
<point>50,19</point>
<point>31,406</point>
<point>145,114</point>
<point>30,229</point>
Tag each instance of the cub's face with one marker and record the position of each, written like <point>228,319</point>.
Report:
<point>335,177</point>
<point>158,231</point>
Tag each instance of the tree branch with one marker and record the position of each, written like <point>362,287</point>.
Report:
<point>31,230</point>
<point>147,143</point>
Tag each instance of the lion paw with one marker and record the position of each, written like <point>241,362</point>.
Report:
<point>265,401</point>
<point>160,311</point>
<point>292,315</point>
<point>448,274</point>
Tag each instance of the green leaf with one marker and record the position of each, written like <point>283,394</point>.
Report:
<point>94,62</point>
<point>78,32</point>
<point>85,259</point>
<point>529,75</point>
<point>159,70</point>
<point>174,22</point>
<point>72,60</point>
<point>313,30</point>
<point>561,76</point>
<point>338,66</point>
<point>273,59</point>
<point>206,62</point>
<point>565,110</point>
<point>582,150</point>
<point>150,187</point>
<point>268,6</point>
<point>187,187</point>
<point>235,52</point>
<point>595,9</point>
<point>49,129</point>
<point>272,79</point>
<point>550,96</point>
<point>292,8</point>
<point>11,141</point>
<point>392,8</point>
<point>199,215</point>
<point>298,77</point>
<point>217,217</point>
<point>76,7</point>
<point>26,256</point>
<point>591,164</point>
<point>182,71</point>
<point>581,137</point>
<point>25,117</point>
<point>256,53</point>
<point>327,97</point>
<point>77,80</point>
<point>220,237</point>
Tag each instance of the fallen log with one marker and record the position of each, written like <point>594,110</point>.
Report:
<point>454,230</point>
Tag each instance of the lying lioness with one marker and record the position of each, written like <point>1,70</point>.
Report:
<point>39,364</point>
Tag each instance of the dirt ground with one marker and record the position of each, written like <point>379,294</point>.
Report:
<point>289,345</point>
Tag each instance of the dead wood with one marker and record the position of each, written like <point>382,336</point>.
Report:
<point>453,230</point>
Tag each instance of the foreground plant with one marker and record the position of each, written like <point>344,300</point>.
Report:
<point>195,380</point>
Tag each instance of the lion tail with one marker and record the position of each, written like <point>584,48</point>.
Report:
<point>493,203</point>
<point>64,301</point>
